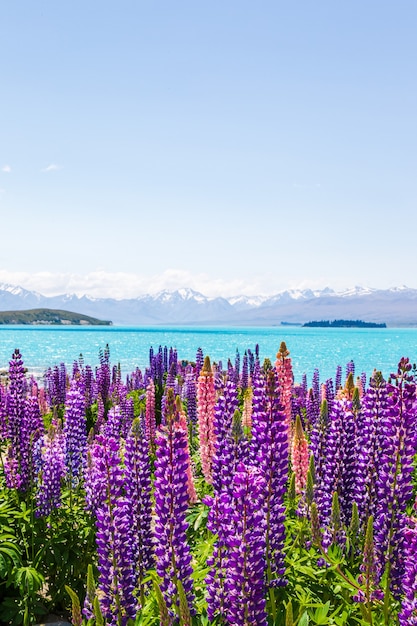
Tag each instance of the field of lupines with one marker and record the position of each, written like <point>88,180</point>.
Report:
<point>197,493</point>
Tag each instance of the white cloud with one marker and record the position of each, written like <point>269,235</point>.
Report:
<point>6,169</point>
<point>53,167</point>
<point>100,283</point>
<point>103,284</point>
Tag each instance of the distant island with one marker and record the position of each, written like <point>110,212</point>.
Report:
<point>344,324</point>
<point>49,317</point>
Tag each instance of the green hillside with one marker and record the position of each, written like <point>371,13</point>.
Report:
<point>47,317</point>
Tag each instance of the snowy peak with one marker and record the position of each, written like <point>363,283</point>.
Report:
<point>395,306</point>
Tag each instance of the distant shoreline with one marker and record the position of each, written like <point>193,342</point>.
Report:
<point>344,324</point>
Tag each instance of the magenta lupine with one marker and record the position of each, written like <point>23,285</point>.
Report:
<point>173,555</point>
<point>299,456</point>
<point>105,497</point>
<point>3,412</point>
<point>75,432</point>
<point>52,472</point>
<point>206,398</point>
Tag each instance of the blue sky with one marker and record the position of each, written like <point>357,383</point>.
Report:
<point>228,146</point>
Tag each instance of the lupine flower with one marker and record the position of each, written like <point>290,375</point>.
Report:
<point>394,484</point>
<point>105,497</point>
<point>53,469</point>
<point>247,408</point>
<point>182,424</point>
<point>408,613</point>
<point>138,493</point>
<point>299,456</point>
<point>269,451</point>
<point>103,378</point>
<point>173,556</point>
<point>246,543</point>
<point>150,418</point>
<point>206,398</point>
<point>75,432</point>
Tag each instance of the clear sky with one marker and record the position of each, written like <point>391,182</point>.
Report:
<point>230,146</point>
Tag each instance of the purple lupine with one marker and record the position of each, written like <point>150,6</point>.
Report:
<point>56,385</point>
<point>23,425</point>
<point>338,378</point>
<point>52,471</point>
<point>227,448</point>
<point>350,369</point>
<point>217,523</point>
<point>245,372</point>
<point>408,613</point>
<point>105,497</point>
<point>246,546</point>
<point>75,432</point>
<point>32,429</point>
<point>394,483</point>
<point>269,451</point>
<point>338,467</point>
<point>199,361</point>
<point>112,427</point>
<point>103,378</point>
<point>375,404</point>
<point>251,358</point>
<point>15,402</point>
<point>139,495</point>
<point>173,555</point>
<point>190,390</point>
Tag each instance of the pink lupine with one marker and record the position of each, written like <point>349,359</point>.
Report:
<point>285,380</point>
<point>182,424</point>
<point>299,456</point>
<point>150,417</point>
<point>247,408</point>
<point>206,399</point>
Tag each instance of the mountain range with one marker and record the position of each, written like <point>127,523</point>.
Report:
<point>396,307</point>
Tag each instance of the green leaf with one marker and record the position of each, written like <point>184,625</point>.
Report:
<point>304,619</point>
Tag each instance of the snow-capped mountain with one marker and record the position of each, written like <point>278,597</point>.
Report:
<point>395,307</point>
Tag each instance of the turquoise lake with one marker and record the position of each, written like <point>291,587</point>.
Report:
<point>310,348</point>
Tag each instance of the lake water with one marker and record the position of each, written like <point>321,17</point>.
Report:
<point>310,348</point>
